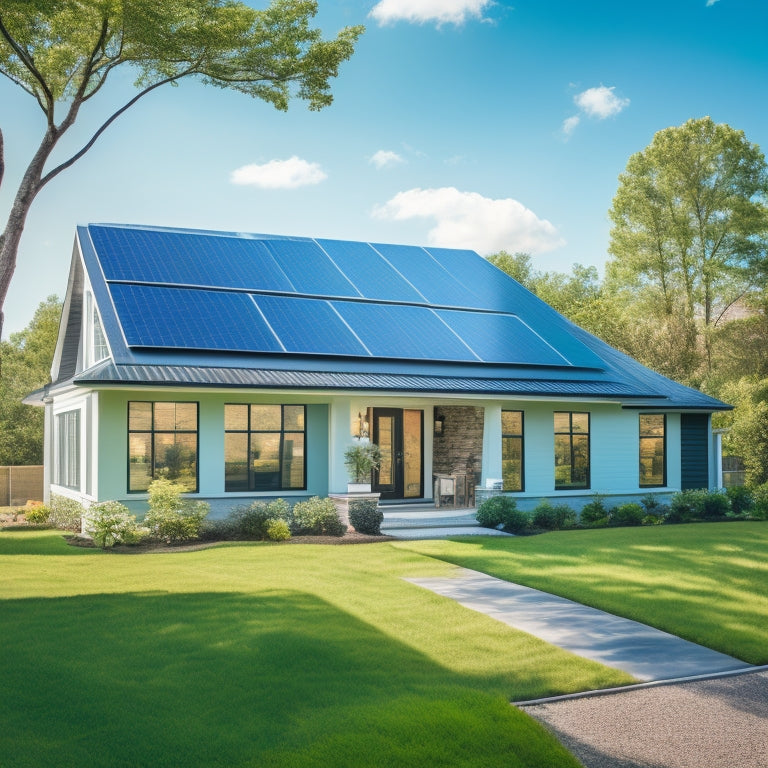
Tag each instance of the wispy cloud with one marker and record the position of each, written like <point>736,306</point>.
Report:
<point>424,11</point>
<point>385,158</point>
<point>710,3</point>
<point>469,220</point>
<point>600,102</point>
<point>279,174</point>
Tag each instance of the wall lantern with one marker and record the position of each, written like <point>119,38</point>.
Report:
<point>439,425</point>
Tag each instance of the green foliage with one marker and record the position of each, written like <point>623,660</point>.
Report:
<point>316,517</point>
<point>759,509</point>
<point>365,516</point>
<point>111,523</point>
<point>360,460</point>
<point>686,506</point>
<point>171,518</point>
<point>278,530</point>
<point>715,505</point>
<point>502,511</point>
<point>627,514</point>
<point>65,513</point>
<point>740,498</point>
<point>25,365</point>
<point>38,515</point>
<point>553,517</point>
<point>254,521</point>
<point>594,514</point>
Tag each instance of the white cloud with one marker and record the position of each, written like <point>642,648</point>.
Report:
<point>710,3</point>
<point>600,102</point>
<point>279,174</point>
<point>385,158</point>
<point>570,123</point>
<point>423,11</point>
<point>469,220</point>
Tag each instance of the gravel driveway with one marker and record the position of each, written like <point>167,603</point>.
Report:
<point>715,723</point>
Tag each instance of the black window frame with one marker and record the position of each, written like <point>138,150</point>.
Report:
<point>641,438</point>
<point>251,486</point>
<point>152,432</point>
<point>571,434</point>
<point>514,436</point>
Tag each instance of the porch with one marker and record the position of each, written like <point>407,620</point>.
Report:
<point>423,521</point>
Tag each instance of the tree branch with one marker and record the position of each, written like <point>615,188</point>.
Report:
<point>2,157</point>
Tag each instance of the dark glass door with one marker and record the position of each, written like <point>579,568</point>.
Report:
<point>398,433</point>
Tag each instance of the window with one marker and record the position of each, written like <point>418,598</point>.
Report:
<point>653,463</point>
<point>512,450</point>
<point>162,442</point>
<point>100,349</point>
<point>571,450</point>
<point>68,449</point>
<point>96,348</point>
<point>264,447</point>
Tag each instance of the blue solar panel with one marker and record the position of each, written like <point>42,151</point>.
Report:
<point>184,258</point>
<point>403,331</point>
<point>370,273</point>
<point>501,338</point>
<point>309,269</point>
<point>153,316</point>
<point>428,277</point>
<point>309,326</point>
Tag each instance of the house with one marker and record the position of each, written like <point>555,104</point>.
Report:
<point>244,365</point>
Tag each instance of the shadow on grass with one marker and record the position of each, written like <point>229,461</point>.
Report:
<point>223,679</point>
<point>33,540</point>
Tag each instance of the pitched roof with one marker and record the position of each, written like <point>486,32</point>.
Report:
<point>188,307</point>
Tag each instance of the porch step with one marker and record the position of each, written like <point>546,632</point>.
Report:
<point>429,517</point>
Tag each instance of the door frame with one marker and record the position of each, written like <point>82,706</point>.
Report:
<point>397,490</point>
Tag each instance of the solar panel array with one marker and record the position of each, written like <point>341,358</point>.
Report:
<point>175,289</point>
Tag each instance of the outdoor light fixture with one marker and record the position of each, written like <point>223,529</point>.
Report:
<point>362,426</point>
<point>439,425</point>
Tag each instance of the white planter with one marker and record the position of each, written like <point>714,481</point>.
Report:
<point>358,487</point>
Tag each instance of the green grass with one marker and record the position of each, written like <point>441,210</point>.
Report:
<point>262,655</point>
<point>707,583</point>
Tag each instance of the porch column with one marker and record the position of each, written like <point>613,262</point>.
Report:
<point>339,439</point>
<point>491,442</point>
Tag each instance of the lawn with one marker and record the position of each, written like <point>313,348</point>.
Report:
<point>707,582</point>
<point>262,655</point>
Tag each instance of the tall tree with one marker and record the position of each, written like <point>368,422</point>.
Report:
<point>27,358</point>
<point>689,219</point>
<point>61,52</point>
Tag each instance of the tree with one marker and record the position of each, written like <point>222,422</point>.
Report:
<point>61,52</point>
<point>27,358</point>
<point>689,221</point>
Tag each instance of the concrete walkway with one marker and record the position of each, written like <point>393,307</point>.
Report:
<point>646,653</point>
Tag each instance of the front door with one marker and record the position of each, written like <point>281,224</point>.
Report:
<point>398,433</point>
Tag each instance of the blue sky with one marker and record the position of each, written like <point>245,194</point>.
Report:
<point>466,123</point>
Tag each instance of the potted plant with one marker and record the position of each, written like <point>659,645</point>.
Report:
<point>360,460</point>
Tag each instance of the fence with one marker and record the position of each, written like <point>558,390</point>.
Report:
<point>18,485</point>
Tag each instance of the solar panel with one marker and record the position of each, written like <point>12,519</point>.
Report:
<point>429,278</point>
<point>403,331</point>
<point>372,275</point>
<point>309,269</point>
<point>501,338</point>
<point>185,258</point>
<point>309,326</point>
<point>153,316</point>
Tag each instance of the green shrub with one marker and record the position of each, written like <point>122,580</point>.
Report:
<point>686,506</point>
<point>502,511</point>
<point>553,517</point>
<point>715,505</point>
<point>740,497</point>
<point>38,515</point>
<point>65,513</point>
<point>627,514</point>
<point>365,516</point>
<point>653,520</point>
<point>253,521</point>
<point>111,523</point>
<point>594,514</point>
<point>171,518</point>
<point>759,509</point>
<point>316,517</point>
<point>278,530</point>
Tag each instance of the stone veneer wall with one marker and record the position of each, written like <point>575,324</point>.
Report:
<point>460,447</point>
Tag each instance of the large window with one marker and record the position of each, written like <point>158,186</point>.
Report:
<point>264,447</point>
<point>162,442</point>
<point>571,450</point>
<point>68,449</point>
<point>512,450</point>
<point>653,463</point>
